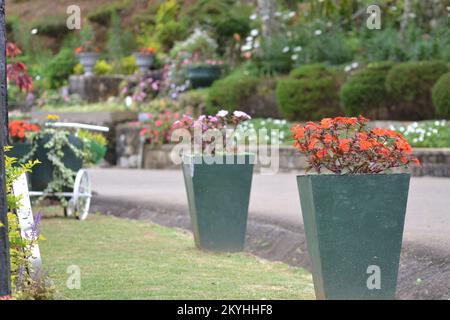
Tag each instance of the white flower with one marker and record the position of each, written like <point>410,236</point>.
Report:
<point>318,32</point>
<point>254,32</point>
<point>348,68</point>
<point>241,114</point>
<point>294,57</point>
<point>246,47</point>
<point>249,39</point>
<point>291,14</point>
<point>222,113</point>
<point>355,65</point>
<point>128,101</point>
<point>253,16</point>
<point>34,31</point>
<point>298,49</point>
<point>265,17</point>
<point>412,15</point>
<point>285,49</point>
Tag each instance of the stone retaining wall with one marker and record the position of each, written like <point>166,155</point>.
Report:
<point>131,153</point>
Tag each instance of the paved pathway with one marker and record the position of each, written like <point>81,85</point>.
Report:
<point>275,197</point>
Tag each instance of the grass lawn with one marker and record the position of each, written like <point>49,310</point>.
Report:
<point>129,259</point>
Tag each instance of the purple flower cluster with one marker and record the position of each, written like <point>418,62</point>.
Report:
<point>223,121</point>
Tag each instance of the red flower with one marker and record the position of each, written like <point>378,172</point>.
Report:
<point>346,145</point>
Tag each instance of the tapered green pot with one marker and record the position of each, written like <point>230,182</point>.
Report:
<point>19,150</point>
<point>218,197</point>
<point>354,227</point>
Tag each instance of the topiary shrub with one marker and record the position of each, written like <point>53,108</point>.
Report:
<point>229,92</point>
<point>410,86</point>
<point>310,93</point>
<point>61,67</point>
<point>365,92</point>
<point>441,96</point>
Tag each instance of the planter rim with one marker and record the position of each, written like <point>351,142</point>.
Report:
<point>190,159</point>
<point>355,174</point>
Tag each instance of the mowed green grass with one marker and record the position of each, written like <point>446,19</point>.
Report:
<point>130,259</point>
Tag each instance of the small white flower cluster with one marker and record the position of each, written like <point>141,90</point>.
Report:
<point>351,67</point>
<point>427,133</point>
<point>295,51</point>
<point>277,131</point>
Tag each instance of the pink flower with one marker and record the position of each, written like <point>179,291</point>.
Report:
<point>155,86</point>
<point>158,123</point>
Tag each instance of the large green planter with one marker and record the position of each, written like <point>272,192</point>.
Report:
<point>19,150</point>
<point>203,75</point>
<point>43,174</point>
<point>354,226</point>
<point>218,196</point>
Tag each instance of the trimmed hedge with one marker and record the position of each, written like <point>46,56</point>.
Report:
<point>229,92</point>
<point>410,86</point>
<point>365,92</point>
<point>310,93</point>
<point>245,92</point>
<point>441,96</point>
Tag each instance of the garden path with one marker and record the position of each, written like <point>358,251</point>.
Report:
<point>275,198</point>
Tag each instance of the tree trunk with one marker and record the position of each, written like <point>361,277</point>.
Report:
<point>405,19</point>
<point>267,9</point>
<point>5,274</point>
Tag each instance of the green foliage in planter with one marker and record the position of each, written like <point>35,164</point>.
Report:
<point>365,91</point>
<point>227,93</point>
<point>310,93</point>
<point>441,96</point>
<point>61,67</point>
<point>410,86</point>
<point>63,177</point>
<point>94,146</point>
<point>102,68</point>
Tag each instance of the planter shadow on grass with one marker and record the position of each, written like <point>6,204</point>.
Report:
<point>354,227</point>
<point>218,196</point>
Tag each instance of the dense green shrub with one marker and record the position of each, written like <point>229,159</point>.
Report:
<point>365,92</point>
<point>410,85</point>
<point>61,67</point>
<point>228,92</point>
<point>310,93</point>
<point>441,96</point>
<point>55,27</point>
<point>104,13</point>
<point>102,67</point>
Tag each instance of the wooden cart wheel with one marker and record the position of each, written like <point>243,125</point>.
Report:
<point>82,194</point>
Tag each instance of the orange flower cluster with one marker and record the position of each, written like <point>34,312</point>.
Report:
<point>346,146</point>
<point>19,128</point>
